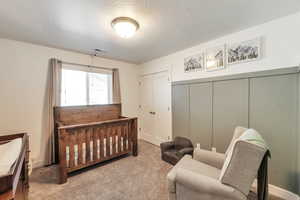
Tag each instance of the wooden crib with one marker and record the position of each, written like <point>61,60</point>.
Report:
<point>87,135</point>
<point>15,185</point>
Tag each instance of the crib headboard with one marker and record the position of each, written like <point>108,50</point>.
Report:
<point>86,114</point>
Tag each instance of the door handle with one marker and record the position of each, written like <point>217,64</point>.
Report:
<point>152,113</point>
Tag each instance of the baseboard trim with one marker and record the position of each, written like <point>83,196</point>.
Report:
<point>150,139</point>
<point>279,192</point>
<point>282,193</point>
<point>37,163</point>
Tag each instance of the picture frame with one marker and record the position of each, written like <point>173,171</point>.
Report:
<point>215,58</point>
<point>245,51</point>
<point>194,63</point>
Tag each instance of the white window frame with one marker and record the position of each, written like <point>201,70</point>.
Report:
<point>91,70</point>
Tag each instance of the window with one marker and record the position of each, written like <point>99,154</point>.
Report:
<point>80,87</point>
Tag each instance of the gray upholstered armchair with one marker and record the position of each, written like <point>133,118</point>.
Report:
<point>194,180</point>
<point>216,159</point>
<point>173,151</point>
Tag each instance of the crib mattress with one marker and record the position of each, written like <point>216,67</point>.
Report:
<point>9,154</point>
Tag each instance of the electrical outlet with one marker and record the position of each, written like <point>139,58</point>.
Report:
<point>214,149</point>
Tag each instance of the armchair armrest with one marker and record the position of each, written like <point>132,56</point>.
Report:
<point>206,185</point>
<point>211,158</point>
<point>187,150</point>
<point>166,146</point>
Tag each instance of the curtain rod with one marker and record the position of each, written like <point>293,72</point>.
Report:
<point>83,65</point>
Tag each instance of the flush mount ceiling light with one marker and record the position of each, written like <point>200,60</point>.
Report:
<point>125,27</point>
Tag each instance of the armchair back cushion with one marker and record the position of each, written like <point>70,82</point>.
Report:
<point>181,142</point>
<point>238,131</point>
<point>242,163</point>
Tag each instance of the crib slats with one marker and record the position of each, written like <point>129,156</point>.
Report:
<point>87,146</point>
<point>95,143</point>
<point>119,128</point>
<point>79,143</point>
<point>113,136</point>
<point>129,142</point>
<point>102,130</point>
<point>126,137</point>
<point>123,138</point>
<point>107,136</point>
<point>71,149</point>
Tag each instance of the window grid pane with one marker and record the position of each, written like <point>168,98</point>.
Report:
<point>85,88</point>
<point>98,89</point>
<point>74,88</point>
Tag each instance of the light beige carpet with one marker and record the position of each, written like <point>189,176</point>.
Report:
<point>130,178</point>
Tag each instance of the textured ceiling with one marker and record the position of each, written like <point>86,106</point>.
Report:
<point>166,26</point>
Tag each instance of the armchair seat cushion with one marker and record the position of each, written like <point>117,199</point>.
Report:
<point>210,158</point>
<point>171,156</point>
<point>194,186</point>
<point>192,165</point>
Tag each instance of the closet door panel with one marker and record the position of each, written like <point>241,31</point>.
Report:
<point>180,110</point>
<point>201,114</point>
<point>146,102</point>
<point>273,113</point>
<point>162,105</point>
<point>230,109</point>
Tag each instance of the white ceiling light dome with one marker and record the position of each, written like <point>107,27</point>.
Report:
<point>125,27</point>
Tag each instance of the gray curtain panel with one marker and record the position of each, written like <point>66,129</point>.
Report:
<point>54,100</point>
<point>116,90</point>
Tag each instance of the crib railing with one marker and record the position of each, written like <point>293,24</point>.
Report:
<point>88,144</point>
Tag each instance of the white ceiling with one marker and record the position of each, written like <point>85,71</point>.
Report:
<point>166,26</point>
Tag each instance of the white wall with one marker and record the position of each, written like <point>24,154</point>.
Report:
<point>281,48</point>
<point>23,88</point>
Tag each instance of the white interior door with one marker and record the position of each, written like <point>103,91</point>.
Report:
<point>162,107</point>
<point>146,107</point>
<point>155,108</point>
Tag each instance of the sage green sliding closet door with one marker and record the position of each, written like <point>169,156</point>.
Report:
<point>273,110</point>
<point>201,114</point>
<point>230,109</point>
<point>180,110</point>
